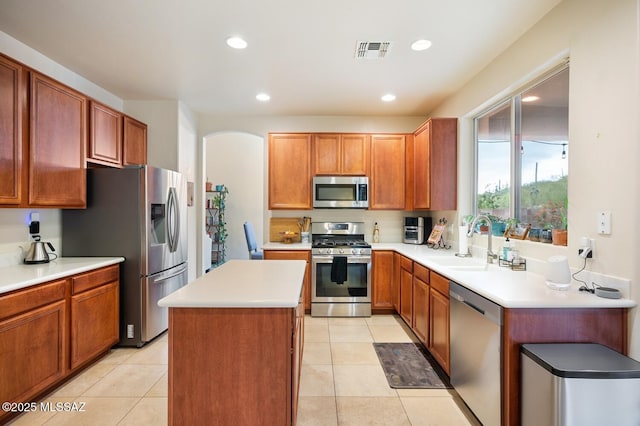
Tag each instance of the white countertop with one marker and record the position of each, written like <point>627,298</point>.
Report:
<point>243,284</point>
<point>15,277</point>
<point>508,288</point>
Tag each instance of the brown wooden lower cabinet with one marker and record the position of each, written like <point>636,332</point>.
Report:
<point>46,333</point>
<point>382,281</point>
<point>33,352</point>
<point>94,314</point>
<point>439,320</point>
<point>296,255</point>
<point>237,366</point>
<point>406,290</point>
<point>421,302</point>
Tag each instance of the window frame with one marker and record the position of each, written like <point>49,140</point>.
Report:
<point>514,98</point>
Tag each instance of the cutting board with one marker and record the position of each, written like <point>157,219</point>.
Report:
<point>280,224</point>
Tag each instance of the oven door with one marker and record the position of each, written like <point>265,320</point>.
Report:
<point>356,289</point>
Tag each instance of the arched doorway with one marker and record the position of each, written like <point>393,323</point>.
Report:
<point>236,159</point>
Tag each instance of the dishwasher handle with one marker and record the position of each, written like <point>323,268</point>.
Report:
<point>483,306</point>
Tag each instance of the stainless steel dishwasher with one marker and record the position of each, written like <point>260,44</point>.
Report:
<point>475,333</point>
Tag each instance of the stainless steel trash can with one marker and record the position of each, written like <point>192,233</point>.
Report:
<point>578,384</point>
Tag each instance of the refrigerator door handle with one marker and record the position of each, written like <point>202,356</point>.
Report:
<point>173,221</point>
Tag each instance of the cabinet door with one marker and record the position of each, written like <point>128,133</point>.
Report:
<point>421,309</point>
<point>439,320</point>
<point>355,155</point>
<point>396,281</point>
<point>94,322</point>
<point>105,141</point>
<point>387,180</point>
<point>382,278</point>
<point>421,302</point>
<point>406,293</point>
<point>421,168</point>
<point>290,171</point>
<point>33,348</point>
<point>134,143</point>
<point>435,165</point>
<point>295,255</point>
<point>57,175</point>
<point>13,118</point>
<point>326,154</point>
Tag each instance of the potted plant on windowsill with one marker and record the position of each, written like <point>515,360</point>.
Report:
<point>559,231</point>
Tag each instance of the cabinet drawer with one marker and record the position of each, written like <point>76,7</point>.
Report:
<point>440,283</point>
<point>406,264</point>
<point>287,255</point>
<point>421,273</point>
<point>92,279</point>
<point>30,298</point>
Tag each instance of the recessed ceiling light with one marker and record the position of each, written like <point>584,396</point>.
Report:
<point>421,44</point>
<point>389,97</point>
<point>236,42</point>
<point>263,97</point>
<point>530,98</point>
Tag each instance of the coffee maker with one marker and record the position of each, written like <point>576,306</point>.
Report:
<point>416,230</point>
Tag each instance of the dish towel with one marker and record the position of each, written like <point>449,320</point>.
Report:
<point>339,269</point>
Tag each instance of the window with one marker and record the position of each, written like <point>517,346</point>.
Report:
<point>522,150</point>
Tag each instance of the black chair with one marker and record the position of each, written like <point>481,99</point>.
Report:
<point>249,234</point>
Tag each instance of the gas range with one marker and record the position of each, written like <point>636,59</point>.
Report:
<point>341,265</point>
<point>339,238</point>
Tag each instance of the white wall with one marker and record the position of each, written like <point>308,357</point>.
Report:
<point>601,39</point>
<point>187,165</point>
<point>236,160</point>
<point>161,118</point>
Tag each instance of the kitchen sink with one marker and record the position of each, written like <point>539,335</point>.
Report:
<point>462,264</point>
<point>477,268</point>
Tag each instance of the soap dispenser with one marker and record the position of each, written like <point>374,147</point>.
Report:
<point>506,250</point>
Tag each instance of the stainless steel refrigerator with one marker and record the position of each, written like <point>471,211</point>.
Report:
<point>138,213</point>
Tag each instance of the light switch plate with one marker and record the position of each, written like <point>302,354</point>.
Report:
<point>604,223</point>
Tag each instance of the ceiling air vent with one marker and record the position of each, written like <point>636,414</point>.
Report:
<point>372,49</point>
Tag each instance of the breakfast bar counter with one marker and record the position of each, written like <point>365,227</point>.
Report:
<point>235,344</point>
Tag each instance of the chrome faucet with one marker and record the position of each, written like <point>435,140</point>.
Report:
<point>490,255</point>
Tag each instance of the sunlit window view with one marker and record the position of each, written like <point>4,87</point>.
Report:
<point>522,159</point>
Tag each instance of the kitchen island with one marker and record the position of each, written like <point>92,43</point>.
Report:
<point>235,344</point>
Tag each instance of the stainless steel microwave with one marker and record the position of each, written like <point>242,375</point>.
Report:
<point>341,192</point>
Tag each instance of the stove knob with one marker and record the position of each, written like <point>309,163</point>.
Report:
<point>355,251</point>
<point>341,251</point>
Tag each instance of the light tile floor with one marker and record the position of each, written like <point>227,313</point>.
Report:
<point>342,383</point>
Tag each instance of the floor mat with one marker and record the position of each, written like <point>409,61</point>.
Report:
<point>407,366</point>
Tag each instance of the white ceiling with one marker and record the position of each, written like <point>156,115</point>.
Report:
<point>300,52</point>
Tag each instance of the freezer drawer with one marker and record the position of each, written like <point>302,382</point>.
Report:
<point>578,384</point>
<point>155,319</point>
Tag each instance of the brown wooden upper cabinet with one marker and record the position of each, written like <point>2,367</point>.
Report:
<point>134,142</point>
<point>105,141</point>
<point>116,140</point>
<point>435,165</point>
<point>57,141</point>
<point>13,116</point>
<point>341,154</point>
<point>290,171</point>
<point>387,179</point>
